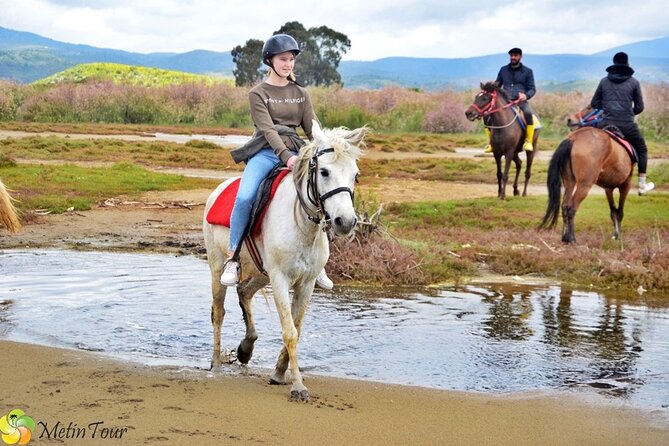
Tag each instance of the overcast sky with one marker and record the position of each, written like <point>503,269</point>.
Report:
<point>420,28</point>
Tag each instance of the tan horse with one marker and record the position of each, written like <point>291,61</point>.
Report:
<point>8,216</point>
<point>587,157</point>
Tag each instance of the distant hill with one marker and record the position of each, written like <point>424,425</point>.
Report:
<point>555,71</point>
<point>129,74</point>
<point>26,57</point>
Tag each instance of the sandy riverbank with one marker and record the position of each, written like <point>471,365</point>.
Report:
<point>147,405</point>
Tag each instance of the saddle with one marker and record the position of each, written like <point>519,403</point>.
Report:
<point>615,133</point>
<point>221,210</point>
<point>523,124</point>
<point>595,118</point>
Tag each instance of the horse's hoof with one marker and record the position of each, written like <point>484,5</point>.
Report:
<point>244,355</point>
<point>276,381</point>
<point>299,396</point>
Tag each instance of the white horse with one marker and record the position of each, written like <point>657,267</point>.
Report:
<point>8,216</point>
<point>293,244</point>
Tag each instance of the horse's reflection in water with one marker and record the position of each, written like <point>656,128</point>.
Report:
<point>293,245</point>
<point>603,340</point>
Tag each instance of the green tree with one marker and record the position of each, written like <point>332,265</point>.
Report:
<point>248,61</point>
<point>321,50</point>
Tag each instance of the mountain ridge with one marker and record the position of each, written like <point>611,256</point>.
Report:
<point>26,57</point>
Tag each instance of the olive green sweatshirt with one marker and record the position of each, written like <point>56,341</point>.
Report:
<point>289,106</point>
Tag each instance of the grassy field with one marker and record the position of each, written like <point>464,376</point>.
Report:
<point>417,242</point>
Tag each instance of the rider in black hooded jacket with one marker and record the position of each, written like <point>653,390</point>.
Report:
<point>619,95</point>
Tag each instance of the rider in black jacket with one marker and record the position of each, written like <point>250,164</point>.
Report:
<point>517,81</point>
<point>619,95</point>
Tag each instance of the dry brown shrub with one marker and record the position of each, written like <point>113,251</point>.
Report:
<point>375,258</point>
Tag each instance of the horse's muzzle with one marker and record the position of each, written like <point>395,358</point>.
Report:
<point>343,225</point>
<point>472,115</point>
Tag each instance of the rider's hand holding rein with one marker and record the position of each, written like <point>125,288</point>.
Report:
<point>291,162</point>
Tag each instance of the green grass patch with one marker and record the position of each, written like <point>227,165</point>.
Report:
<point>57,188</point>
<point>130,74</point>
<point>651,211</point>
<point>196,154</point>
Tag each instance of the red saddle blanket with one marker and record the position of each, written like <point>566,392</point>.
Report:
<point>623,142</point>
<point>220,212</point>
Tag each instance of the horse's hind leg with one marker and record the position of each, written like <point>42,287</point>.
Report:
<point>574,195</point>
<point>217,314</point>
<point>246,290</point>
<point>618,213</point>
<point>519,165</point>
<point>528,170</point>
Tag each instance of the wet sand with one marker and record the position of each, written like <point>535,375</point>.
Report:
<point>164,405</point>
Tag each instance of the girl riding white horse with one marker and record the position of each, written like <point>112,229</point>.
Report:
<point>293,244</point>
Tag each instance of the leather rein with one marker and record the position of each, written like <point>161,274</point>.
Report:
<point>490,109</point>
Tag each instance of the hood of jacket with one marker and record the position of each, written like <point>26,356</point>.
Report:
<point>619,73</point>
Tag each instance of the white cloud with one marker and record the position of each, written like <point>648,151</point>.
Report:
<point>420,28</point>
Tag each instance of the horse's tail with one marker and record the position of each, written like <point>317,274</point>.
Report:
<point>8,216</point>
<point>560,157</point>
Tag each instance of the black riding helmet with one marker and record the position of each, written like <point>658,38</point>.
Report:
<point>277,44</point>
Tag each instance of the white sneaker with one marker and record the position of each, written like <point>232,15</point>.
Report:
<point>645,188</point>
<point>323,281</point>
<point>230,275</point>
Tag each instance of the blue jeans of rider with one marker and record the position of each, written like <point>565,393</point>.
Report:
<point>257,168</point>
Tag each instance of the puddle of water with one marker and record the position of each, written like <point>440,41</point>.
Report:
<point>497,338</point>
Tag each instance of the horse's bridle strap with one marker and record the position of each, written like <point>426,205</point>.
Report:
<point>327,195</point>
<point>315,198</point>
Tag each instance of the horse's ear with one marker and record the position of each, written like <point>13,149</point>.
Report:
<point>318,133</point>
<point>482,86</point>
<point>355,137</point>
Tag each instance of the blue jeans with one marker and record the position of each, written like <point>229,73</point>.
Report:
<point>257,168</point>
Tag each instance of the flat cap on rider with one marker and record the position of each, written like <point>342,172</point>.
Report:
<point>516,51</point>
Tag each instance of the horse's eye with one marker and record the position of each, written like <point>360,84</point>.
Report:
<point>325,173</point>
<point>357,177</point>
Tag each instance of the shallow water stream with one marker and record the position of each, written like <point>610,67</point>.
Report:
<point>496,338</point>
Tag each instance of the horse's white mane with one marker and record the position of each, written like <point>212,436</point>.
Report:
<point>345,142</point>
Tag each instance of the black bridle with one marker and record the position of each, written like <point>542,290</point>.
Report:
<point>313,195</point>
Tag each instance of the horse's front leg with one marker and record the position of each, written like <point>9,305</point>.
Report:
<point>519,165</point>
<point>290,335</point>
<point>505,176</point>
<point>500,189</point>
